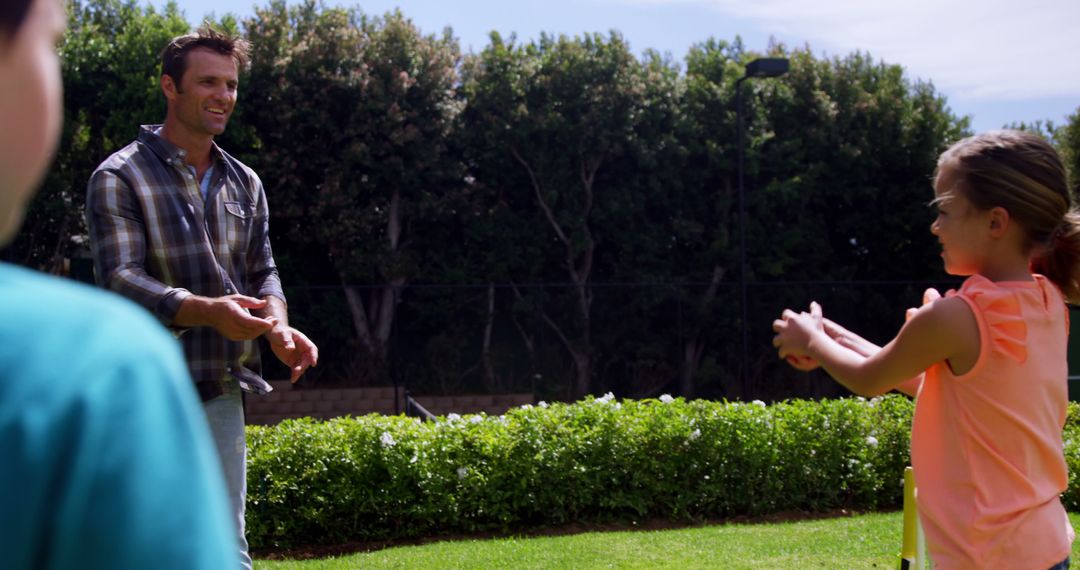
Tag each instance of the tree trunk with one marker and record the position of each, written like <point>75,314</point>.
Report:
<point>360,320</point>
<point>694,346</point>
<point>485,355</point>
<point>578,265</point>
<point>583,374</point>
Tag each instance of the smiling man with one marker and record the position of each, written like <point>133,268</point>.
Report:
<point>181,227</point>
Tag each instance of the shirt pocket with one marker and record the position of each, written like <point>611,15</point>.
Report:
<point>239,210</point>
<point>238,218</point>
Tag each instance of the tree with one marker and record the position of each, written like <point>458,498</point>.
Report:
<point>1069,146</point>
<point>840,155</point>
<point>558,189</point>
<point>702,215</point>
<point>557,114</point>
<point>354,116</point>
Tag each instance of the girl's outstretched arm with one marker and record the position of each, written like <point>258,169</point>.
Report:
<point>848,339</point>
<point>857,344</point>
<point>939,331</point>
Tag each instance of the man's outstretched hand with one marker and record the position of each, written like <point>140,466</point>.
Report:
<point>294,349</point>
<point>230,315</point>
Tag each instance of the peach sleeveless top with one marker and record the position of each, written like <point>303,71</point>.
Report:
<point>986,445</point>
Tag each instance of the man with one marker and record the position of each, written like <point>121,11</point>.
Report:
<point>107,460</point>
<point>180,226</point>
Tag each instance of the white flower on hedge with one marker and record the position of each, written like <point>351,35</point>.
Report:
<point>695,434</point>
<point>387,439</point>
<point>667,399</point>
<point>526,406</point>
<point>414,459</point>
<point>462,472</point>
<point>606,398</point>
<point>452,417</point>
<point>758,403</point>
<point>871,441</point>
<point>476,418</point>
<point>542,404</point>
<point>617,406</point>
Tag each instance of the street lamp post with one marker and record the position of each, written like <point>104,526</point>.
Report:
<point>762,67</point>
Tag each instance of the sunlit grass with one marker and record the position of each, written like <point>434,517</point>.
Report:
<point>864,541</point>
<point>868,541</point>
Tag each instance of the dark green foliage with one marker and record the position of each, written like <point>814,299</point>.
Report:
<point>479,206</point>
<point>379,477</point>
<point>598,460</point>
<point>1068,144</point>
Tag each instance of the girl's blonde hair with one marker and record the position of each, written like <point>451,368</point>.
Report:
<point>1022,173</point>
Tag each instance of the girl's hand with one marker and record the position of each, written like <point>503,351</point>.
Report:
<point>794,332</point>
<point>850,340</point>
<point>929,296</point>
<point>843,337</point>
<point>802,362</point>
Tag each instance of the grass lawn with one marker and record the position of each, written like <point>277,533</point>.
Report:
<point>864,541</point>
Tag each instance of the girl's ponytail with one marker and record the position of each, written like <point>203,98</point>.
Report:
<point>1059,261</point>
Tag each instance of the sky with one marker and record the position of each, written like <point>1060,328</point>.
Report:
<point>997,61</point>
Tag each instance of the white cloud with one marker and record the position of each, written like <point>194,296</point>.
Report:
<point>977,49</point>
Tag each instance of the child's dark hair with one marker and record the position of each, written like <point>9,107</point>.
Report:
<point>12,15</point>
<point>174,56</point>
<point>1022,173</point>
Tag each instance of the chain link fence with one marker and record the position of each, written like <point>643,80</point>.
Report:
<point>636,340</point>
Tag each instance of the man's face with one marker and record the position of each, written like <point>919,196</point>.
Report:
<point>204,100</point>
<point>31,108</point>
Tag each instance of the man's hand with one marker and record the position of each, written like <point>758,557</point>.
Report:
<point>229,315</point>
<point>294,349</point>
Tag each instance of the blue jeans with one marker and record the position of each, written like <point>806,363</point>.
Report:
<point>1063,565</point>
<point>226,417</point>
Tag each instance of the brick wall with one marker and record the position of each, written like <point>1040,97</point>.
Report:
<point>491,404</point>
<point>286,401</point>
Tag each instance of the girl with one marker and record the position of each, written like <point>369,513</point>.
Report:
<point>987,362</point>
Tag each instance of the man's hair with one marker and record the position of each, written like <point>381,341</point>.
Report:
<point>12,15</point>
<point>174,56</point>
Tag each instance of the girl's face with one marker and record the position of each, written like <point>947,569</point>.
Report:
<point>31,109</point>
<point>961,228</point>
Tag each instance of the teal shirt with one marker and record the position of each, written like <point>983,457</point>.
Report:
<point>106,460</point>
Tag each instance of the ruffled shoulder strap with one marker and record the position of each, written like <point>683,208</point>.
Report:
<point>1000,310</point>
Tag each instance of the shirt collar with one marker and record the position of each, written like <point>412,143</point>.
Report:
<point>168,152</point>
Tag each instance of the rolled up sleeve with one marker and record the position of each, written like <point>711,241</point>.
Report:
<point>118,242</point>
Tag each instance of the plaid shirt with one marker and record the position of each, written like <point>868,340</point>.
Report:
<point>156,241</point>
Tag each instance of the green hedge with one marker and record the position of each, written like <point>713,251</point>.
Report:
<point>383,477</point>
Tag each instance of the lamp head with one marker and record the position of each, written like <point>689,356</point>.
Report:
<point>767,67</point>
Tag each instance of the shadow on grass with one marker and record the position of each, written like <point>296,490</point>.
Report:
<point>654,524</point>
